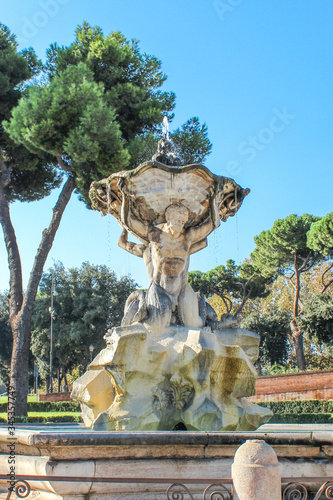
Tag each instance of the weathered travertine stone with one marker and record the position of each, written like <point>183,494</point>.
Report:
<point>197,378</point>
<point>172,364</point>
<point>95,391</point>
<point>171,210</point>
<point>256,472</point>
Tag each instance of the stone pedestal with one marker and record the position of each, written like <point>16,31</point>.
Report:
<point>185,378</point>
<point>256,472</point>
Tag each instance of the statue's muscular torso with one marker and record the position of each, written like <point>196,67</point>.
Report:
<point>170,259</point>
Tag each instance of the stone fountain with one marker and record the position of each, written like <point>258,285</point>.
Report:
<point>171,364</point>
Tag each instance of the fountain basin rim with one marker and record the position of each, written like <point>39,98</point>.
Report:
<point>85,437</point>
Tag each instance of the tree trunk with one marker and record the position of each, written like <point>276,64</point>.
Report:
<point>296,332</point>
<point>21,308</point>
<point>19,376</point>
<point>298,340</point>
<point>64,374</point>
<point>244,300</point>
<point>60,379</point>
<point>14,259</point>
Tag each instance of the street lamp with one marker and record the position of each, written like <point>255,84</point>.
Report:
<point>91,350</point>
<point>53,317</point>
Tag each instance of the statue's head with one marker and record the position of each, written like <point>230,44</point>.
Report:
<point>176,216</point>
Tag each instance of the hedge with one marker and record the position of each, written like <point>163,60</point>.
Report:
<point>296,407</point>
<point>54,406</point>
<point>302,418</point>
<point>45,419</point>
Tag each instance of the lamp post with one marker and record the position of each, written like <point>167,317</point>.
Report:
<point>53,317</point>
<point>36,372</point>
<point>91,350</point>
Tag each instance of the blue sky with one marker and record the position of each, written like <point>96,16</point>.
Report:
<point>258,73</point>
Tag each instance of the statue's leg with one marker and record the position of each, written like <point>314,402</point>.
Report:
<point>159,307</point>
<point>188,308</point>
<point>211,314</point>
<point>135,308</point>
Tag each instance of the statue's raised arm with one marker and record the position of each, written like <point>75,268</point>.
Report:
<point>172,362</point>
<point>171,210</point>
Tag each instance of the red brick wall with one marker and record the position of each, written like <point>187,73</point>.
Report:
<point>55,396</point>
<point>304,385</point>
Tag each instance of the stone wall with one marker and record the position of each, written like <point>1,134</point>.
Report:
<point>55,396</point>
<point>294,386</point>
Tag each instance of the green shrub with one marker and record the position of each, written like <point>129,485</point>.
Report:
<point>302,418</point>
<point>56,406</point>
<point>43,419</point>
<point>296,407</point>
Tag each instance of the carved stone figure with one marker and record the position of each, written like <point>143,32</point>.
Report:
<point>171,364</point>
<point>170,298</point>
<point>171,210</point>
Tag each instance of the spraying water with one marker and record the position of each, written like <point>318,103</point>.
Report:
<point>165,128</point>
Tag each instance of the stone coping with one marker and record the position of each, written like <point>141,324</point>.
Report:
<point>315,435</point>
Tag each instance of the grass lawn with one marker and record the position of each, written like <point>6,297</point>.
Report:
<point>3,399</point>
<point>47,414</point>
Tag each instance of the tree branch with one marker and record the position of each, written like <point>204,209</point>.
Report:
<point>325,286</point>
<point>296,297</point>
<point>5,174</point>
<point>14,259</point>
<point>305,261</point>
<point>290,278</point>
<point>63,165</point>
<point>227,306</point>
<point>46,244</point>
<point>244,299</point>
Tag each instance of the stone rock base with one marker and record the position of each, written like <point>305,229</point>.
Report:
<point>184,378</point>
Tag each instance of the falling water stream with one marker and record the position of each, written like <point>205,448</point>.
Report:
<point>165,128</point>
<point>109,243</point>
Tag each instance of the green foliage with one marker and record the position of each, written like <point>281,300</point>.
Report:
<point>70,119</point>
<point>277,248</point>
<point>49,406</point>
<point>278,369</point>
<point>89,300</point>
<point>192,141</point>
<point>44,418</point>
<point>320,236</point>
<point>131,80</point>
<point>300,406</point>
<point>142,148</point>
<point>283,250</point>
<point>100,109</point>
<point>302,418</point>
<point>233,284</point>
<point>273,328</point>
<point>16,69</point>
<point>219,281</point>
<point>5,340</point>
<point>317,318</point>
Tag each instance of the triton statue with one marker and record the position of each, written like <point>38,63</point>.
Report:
<point>171,362</point>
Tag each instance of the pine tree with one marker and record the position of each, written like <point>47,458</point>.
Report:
<point>284,250</point>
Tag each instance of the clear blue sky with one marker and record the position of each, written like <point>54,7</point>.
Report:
<point>258,72</point>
